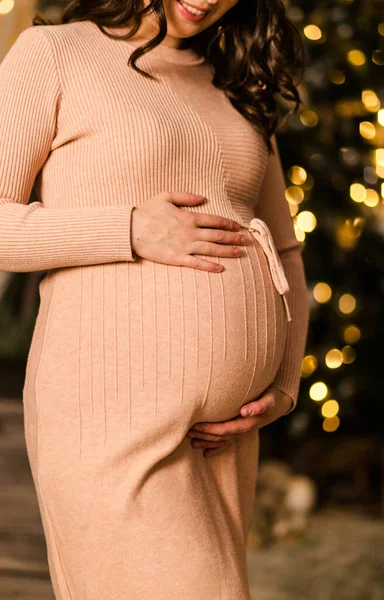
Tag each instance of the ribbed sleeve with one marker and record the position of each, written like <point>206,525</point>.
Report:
<point>34,237</point>
<point>274,210</point>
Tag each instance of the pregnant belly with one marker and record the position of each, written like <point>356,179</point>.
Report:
<point>161,339</point>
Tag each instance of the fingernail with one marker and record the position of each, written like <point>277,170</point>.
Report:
<point>246,412</point>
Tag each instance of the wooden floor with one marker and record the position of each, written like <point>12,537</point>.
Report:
<point>341,558</point>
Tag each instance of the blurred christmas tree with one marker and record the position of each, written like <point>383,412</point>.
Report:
<point>333,153</point>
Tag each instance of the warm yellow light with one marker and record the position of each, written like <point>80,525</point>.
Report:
<point>352,334</point>
<point>297,175</point>
<point>306,220</point>
<point>348,232</point>
<point>331,424</point>
<point>293,209</point>
<point>347,304</point>
<point>312,32</point>
<point>372,197</point>
<point>357,192</point>
<point>370,100</point>
<point>344,237</point>
<point>357,224</point>
<point>356,58</point>
<point>318,391</point>
<point>367,130</point>
<point>308,365</point>
<point>6,6</point>
<point>322,292</point>
<point>349,354</point>
<point>380,116</point>
<point>336,76</point>
<point>308,183</point>
<point>382,190</point>
<point>294,194</point>
<point>330,409</point>
<point>379,160</point>
<point>334,359</point>
<point>378,57</point>
<point>299,233</point>
<point>309,118</point>
<point>380,28</point>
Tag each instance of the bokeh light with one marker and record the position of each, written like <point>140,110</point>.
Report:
<point>334,358</point>
<point>347,304</point>
<point>322,292</point>
<point>318,391</point>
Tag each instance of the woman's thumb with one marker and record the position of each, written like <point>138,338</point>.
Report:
<point>180,198</point>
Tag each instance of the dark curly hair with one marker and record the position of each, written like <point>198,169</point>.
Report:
<point>261,45</point>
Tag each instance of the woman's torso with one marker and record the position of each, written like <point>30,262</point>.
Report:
<point>166,336</point>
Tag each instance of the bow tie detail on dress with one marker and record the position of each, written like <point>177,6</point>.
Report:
<point>263,235</point>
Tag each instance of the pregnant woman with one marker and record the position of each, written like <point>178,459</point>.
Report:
<point>153,332</point>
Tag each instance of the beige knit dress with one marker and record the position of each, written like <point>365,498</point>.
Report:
<point>128,354</point>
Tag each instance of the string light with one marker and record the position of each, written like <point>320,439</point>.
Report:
<point>337,77</point>
<point>322,292</point>
<point>349,354</point>
<point>367,130</point>
<point>371,197</point>
<point>309,118</point>
<point>331,424</point>
<point>312,32</point>
<point>370,100</point>
<point>293,209</point>
<point>347,304</point>
<point>356,58</point>
<point>348,232</point>
<point>297,175</point>
<point>379,160</point>
<point>378,57</point>
<point>334,359</point>
<point>330,409</point>
<point>299,233</point>
<point>306,220</point>
<point>294,194</point>
<point>6,6</point>
<point>308,365</point>
<point>308,183</point>
<point>357,192</point>
<point>352,334</point>
<point>318,391</point>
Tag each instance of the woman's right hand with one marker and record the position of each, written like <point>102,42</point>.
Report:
<point>163,233</point>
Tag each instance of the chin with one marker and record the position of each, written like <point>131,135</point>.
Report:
<point>177,34</point>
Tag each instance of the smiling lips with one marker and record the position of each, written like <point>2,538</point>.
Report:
<point>197,8</point>
<point>189,12</point>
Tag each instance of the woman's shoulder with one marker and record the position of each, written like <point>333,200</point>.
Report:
<point>61,32</point>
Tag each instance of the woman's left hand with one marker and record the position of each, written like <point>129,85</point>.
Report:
<point>215,437</point>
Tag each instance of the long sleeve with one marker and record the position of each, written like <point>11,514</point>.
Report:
<point>34,237</point>
<point>273,209</point>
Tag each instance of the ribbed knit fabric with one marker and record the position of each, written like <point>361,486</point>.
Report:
<point>127,354</point>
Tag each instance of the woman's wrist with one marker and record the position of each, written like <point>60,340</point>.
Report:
<point>287,400</point>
